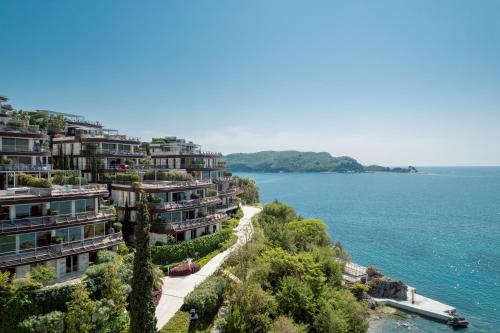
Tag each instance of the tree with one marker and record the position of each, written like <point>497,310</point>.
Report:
<point>250,193</point>
<point>127,229</point>
<point>80,309</point>
<point>142,309</point>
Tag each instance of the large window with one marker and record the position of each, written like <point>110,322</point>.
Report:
<point>171,217</point>
<point>71,263</point>
<point>108,147</point>
<point>75,234</point>
<point>124,147</point>
<point>43,238</point>
<point>88,231</point>
<point>62,207</point>
<point>80,206</point>
<point>23,211</point>
<point>99,229</point>
<point>90,204</point>
<point>7,244</point>
<point>27,241</point>
<point>62,233</point>
<point>162,196</point>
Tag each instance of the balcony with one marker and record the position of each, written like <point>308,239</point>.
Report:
<point>113,153</point>
<point>52,221</point>
<point>18,131</point>
<point>20,150</point>
<point>169,227</point>
<point>25,167</point>
<point>60,250</point>
<point>226,207</point>
<point>231,192</point>
<point>221,180</point>
<point>159,186</point>
<point>187,204</point>
<point>21,195</point>
<point>97,137</point>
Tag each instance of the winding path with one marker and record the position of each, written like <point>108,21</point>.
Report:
<point>176,288</point>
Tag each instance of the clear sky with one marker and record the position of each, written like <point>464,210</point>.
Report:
<point>387,82</point>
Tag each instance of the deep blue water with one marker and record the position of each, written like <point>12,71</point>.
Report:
<point>438,231</point>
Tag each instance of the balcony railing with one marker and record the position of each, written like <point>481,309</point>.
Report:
<point>21,130</point>
<point>223,179</point>
<point>25,167</point>
<point>22,149</point>
<point>112,152</point>
<point>187,204</point>
<point>49,221</point>
<point>181,184</point>
<point>116,137</point>
<point>231,192</point>
<point>191,224</point>
<point>60,250</point>
<point>229,206</point>
<point>54,191</point>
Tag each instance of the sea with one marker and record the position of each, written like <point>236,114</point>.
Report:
<point>437,230</point>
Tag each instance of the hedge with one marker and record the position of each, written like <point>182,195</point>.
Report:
<point>172,253</point>
<point>179,323</point>
<point>207,296</point>
<point>24,179</point>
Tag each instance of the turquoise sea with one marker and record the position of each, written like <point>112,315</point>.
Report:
<point>438,231</point>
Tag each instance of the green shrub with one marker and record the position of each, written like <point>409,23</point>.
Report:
<point>172,253</point>
<point>207,296</point>
<point>106,256</point>
<point>211,193</point>
<point>170,176</point>
<point>16,307</point>
<point>28,180</point>
<point>43,274</point>
<point>117,226</point>
<point>52,322</point>
<point>179,323</point>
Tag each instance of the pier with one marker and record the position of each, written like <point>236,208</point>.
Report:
<point>414,303</point>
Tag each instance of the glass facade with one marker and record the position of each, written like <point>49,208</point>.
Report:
<point>27,241</point>
<point>62,207</point>
<point>7,244</point>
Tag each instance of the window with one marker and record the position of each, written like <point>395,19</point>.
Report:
<point>88,231</point>
<point>62,233</point>
<point>90,205</point>
<point>27,241</point>
<point>108,147</point>
<point>99,229</point>
<point>172,217</point>
<point>22,145</point>
<point>23,211</point>
<point>162,196</point>
<point>124,147</point>
<point>43,238</point>
<point>7,244</point>
<point>71,263</point>
<point>75,234</point>
<point>62,207</point>
<point>80,206</point>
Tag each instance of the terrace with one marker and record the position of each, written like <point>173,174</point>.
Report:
<point>186,204</point>
<point>158,186</point>
<point>53,221</point>
<point>231,192</point>
<point>29,194</point>
<point>190,224</point>
<point>40,254</point>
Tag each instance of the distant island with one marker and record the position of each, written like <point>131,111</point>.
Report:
<point>296,161</point>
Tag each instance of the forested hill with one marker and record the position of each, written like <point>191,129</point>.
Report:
<point>296,161</point>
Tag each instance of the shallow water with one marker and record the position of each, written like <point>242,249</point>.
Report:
<point>438,231</point>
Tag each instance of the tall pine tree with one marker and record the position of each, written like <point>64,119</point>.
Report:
<point>142,308</point>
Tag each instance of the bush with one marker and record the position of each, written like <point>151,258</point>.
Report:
<point>52,322</point>
<point>308,233</point>
<point>106,256</point>
<point>117,226</point>
<point>43,274</point>
<point>28,180</point>
<point>184,269</point>
<point>206,297</point>
<point>71,178</point>
<point>179,323</point>
<point>16,307</point>
<point>250,195</point>
<point>170,175</point>
<point>180,251</point>
<point>211,193</point>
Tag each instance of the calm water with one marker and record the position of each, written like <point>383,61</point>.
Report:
<point>438,231</point>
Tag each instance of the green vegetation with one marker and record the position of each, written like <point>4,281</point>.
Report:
<point>71,178</point>
<point>127,176</point>
<point>174,253</point>
<point>179,323</point>
<point>291,280</point>
<point>296,161</point>
<point>142,308</point>
<point>170,175</point>
<point>24,179</point>
<point>291,161</point>
<point>206,297</point>
<point>250,195</point>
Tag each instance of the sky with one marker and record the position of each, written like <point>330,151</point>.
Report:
<point>388,82</point>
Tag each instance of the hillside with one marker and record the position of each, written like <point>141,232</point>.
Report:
<point>296,161</point>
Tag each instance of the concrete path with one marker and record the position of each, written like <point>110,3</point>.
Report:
<point>176,288</point>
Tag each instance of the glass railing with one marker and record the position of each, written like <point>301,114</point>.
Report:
<point>186,204</point>
<point>192,223</point>
<point>38,222</point>
<point>25,167</point>
<point>57,250</point>
<point>22,149</point>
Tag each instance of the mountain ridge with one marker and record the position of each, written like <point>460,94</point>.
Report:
<point>297,161</point>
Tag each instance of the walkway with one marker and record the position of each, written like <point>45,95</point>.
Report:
<point>176,288</point>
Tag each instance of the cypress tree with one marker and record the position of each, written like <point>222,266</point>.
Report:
<point>142,309</point>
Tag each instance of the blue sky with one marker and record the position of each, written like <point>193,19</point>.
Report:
<point>388,82</point>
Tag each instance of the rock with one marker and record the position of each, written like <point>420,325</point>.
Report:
<point>386,288</point>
